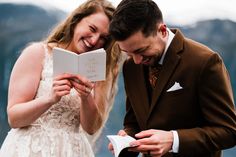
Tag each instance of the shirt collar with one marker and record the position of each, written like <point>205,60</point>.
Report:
<point>170,38</point>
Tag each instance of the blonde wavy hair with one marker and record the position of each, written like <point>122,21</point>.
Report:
<point>63,34</point>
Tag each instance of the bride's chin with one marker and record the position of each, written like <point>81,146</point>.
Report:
<point>81,48</point>
<point>85,48</point>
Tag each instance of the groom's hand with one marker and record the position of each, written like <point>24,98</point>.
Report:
<point>153,142</point>
<point>110,147</point>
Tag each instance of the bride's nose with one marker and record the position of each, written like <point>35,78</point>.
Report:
<point>94,39</point>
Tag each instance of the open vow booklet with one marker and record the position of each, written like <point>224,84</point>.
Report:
<point>119,143</point>
<point>91,64</point>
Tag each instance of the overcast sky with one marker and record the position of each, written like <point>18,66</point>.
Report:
<point>174,11</point>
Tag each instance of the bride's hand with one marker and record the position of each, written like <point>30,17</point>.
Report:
<point>60,86</point>
<point>82,85</point>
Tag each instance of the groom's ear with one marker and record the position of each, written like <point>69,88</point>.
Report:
<point>161,27</point>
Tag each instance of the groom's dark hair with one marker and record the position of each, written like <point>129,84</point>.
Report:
<point>132,16</point>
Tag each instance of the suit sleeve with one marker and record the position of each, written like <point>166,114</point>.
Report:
<point>130,122</point>
<point>218,130</point>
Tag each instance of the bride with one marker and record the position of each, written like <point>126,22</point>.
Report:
<point>57,116</point>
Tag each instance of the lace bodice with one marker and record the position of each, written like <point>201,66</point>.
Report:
<point>64,114</point>
<point>57,132</point>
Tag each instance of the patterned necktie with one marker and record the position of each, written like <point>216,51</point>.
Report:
<point>153,74</point>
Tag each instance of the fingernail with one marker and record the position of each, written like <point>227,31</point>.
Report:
<point>133,145</point>
<point>136,135</point>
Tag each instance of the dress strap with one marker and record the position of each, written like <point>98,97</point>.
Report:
<point>47,62</point>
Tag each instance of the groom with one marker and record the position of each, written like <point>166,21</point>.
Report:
<point>179,95</point>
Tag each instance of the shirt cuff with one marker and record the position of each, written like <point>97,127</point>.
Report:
<point>175,146</point>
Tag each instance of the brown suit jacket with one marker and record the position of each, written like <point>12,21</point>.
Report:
<point>202,111</point>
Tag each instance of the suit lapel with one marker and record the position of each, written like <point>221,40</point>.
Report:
<point>169,65</point>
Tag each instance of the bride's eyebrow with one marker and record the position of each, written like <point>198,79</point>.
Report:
<point>92,25</point>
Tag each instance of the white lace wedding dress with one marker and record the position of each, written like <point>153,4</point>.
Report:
<point>57,133</point>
